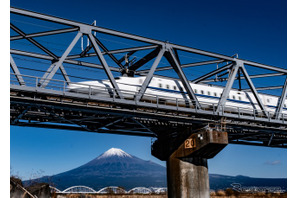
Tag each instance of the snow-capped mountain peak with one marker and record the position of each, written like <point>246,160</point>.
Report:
<point>114,152</point>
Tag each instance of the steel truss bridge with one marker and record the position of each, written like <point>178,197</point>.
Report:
<point>48,53</point>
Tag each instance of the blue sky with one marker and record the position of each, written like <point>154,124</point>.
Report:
<point>256,30</point>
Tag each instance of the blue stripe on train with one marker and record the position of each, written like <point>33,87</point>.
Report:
<point>201,95</point>
<point>207,96</point>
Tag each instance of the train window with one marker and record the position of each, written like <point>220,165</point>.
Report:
<point>174,87</point>
<point>160,85</point>
<point>239,98</point>
<point>215,94</point>
<point>202,92</point>
<point>181,89</point>
<point>268,100</point>
<point>195,90</point>
<point>208,93</point>
<point>233,97</point>
<point>285,105</point>
<point>167,86</point>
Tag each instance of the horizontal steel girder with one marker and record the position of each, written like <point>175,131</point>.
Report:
<point>74,62</point>
<point>106,114</point>
<point>132,49</point>
<point>47,33</point>
<point>183,66</point>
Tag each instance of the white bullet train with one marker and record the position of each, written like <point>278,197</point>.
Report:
<point>168,91</point>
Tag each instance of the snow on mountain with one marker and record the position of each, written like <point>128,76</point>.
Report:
<point>114,152</point>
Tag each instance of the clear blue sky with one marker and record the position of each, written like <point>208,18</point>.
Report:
<point>256,30</point>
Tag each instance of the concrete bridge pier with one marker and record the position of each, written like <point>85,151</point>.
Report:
<point>187,177</point>
<point>187,170</point>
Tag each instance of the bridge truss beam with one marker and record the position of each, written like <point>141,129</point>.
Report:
<point>149,53</point>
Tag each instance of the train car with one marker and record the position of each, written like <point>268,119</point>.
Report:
<point>171,92</point>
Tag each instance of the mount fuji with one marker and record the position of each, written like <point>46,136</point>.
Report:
<point>118,168</point>
<point>113,168</point>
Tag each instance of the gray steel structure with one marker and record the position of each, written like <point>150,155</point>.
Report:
<point>42,101</point>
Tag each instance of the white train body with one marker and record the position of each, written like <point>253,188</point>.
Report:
<point>168,91</point>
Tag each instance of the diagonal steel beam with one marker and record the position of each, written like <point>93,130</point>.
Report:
<point>112,123</point>
<point>33,41</point>
<point>110,55</point>
<point>21,115</point>
<point>239,81</point>
<point>253,89</point>
<point>228,87</point>
<point>144,60</point>
<point>64,74</point>
<point>105,66</point>
<point>270,140</point>
<point>144,127</point>
<point>184,66</point>
<point>149,76</point>
<point>16,71</point>
<point>214,72</point>
<point>46,33</point>
<point>177,56</point>
<point>84,53</point>
<point>55,66</point>
<point>281,101</point>
<point>176,66</point>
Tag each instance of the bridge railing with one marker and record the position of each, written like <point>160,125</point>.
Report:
<point>157,101</point>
